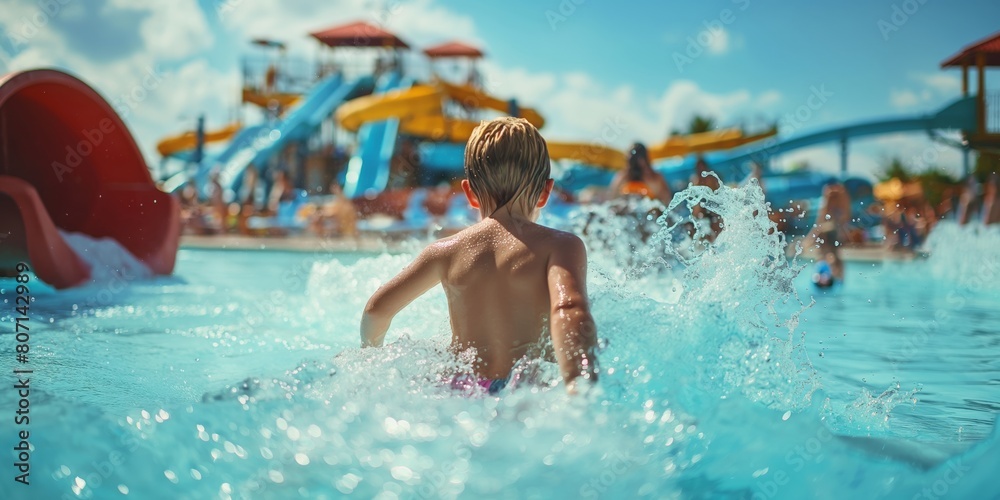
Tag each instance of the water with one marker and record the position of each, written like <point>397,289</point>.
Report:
<point>725,374</point>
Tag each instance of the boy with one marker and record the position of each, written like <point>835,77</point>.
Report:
<point>505,276</point>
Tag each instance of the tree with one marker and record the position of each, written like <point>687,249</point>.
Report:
<point>701,124</point>
<point>937,185</point>
<point>896,169</point>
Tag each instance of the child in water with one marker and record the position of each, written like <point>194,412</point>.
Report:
<point>505,277</point>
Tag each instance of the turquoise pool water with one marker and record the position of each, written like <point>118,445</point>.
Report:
<point>725,374</point>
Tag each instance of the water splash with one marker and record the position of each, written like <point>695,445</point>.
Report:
<point>968,255</point>
<point>107,259</point>
<point>702,363</point>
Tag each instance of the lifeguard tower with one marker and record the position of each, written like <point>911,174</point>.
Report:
<point>981,55</point>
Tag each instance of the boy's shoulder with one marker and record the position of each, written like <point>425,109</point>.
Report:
<point>554,241</point>
<point>564,242</point>
<point>559,236</point>
<point>541,237</point>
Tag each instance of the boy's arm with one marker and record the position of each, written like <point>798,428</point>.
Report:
<point>422,274</point>
<point>574,334</point>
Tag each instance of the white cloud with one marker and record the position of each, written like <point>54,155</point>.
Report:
<point>579,108</point>
<point>903,98</point>
<point>718,42</point>
<point>942,83</point>
<point>933,88</point>
<point>173,29</point>
<point>768,99</point>
<point>418,22</point>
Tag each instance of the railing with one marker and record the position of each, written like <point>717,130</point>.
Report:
<point>282,75</point>
<point>992,112</point>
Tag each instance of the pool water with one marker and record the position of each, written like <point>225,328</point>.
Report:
<point>724,374</point>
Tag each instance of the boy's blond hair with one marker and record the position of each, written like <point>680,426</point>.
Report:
<point>507,161</point>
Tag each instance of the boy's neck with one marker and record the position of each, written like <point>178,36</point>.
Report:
<point>509,213</point>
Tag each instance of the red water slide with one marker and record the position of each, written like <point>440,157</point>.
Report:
<point>67,162</point>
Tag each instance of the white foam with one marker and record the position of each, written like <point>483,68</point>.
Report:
<point>107,259</point>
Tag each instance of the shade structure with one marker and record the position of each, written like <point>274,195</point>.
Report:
<point>989,47</point>
<point>359,34</point>
<point>453,49</point>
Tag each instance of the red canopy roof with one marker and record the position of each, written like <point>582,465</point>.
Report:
<point>358,34</point>
<point>453,49</point>
<point>989,47</point>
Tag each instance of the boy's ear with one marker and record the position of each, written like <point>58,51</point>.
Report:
<point>546,191</point>
<point>469,194</point>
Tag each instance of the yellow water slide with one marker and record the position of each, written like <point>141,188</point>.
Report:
<point>714,140</point>
<point>420,110</point>
<point>679,145</point>
<point>188,140</point>
<point>596,155</point>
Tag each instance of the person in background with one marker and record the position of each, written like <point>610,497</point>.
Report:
<point>192,215</point>
<point>756,172</point>
<point>217,201</point>
<point>832,228</point>
<point>281,191</point>
<point>991,200</point>
<point>337,217</point>
<point>968,202</point>
<point>639,178</point>
<point>704,176</point>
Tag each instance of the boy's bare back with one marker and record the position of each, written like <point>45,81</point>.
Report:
<point>505,277</point>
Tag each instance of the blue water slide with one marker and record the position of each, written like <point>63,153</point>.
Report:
<point>243,139</point>
<point>959,115</point>
<point>368,169</point>
<point>298,124</point>
<point>446,157</point>
<point>731,165</point>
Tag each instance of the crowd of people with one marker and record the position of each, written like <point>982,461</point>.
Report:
<point>905,221</point>
<point>327,215</point>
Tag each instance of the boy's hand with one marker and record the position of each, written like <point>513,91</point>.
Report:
<point>422,274</point>
<point>369,329</point>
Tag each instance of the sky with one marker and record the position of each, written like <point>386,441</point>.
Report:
<point>599,71</point>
